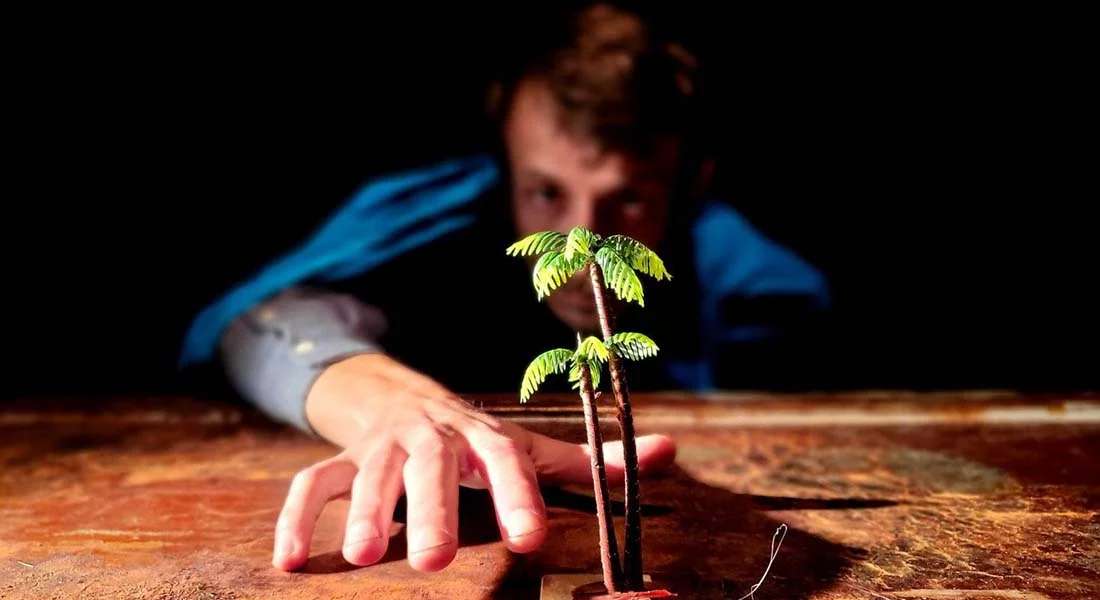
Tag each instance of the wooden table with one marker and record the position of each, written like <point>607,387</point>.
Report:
<point>980,495</point>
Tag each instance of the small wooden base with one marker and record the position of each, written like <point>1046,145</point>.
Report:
<point>589,586</point>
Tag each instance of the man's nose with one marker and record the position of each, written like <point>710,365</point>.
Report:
<point>587,214</point>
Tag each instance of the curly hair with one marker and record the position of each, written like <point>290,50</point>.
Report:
<point>614,78</point>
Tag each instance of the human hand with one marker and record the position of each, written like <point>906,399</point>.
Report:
<point>404,433</point>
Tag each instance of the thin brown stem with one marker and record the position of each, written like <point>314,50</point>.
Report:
<point>632,539</point>
<point>609,548</point>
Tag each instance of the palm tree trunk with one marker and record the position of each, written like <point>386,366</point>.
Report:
<point>609,547</point>
<point>632,539</point>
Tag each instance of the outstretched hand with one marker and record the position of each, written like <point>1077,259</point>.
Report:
<point>405,434</point>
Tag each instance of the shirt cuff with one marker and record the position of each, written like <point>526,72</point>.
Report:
<point>311,358</point>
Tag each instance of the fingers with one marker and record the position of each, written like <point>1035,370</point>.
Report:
<point>559,462</point>
<point>374,493</point>
<point>431,492</point>
<point>512,481</point>
<point>310,490</point>
<point>426,464</point>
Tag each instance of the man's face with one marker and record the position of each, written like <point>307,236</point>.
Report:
<point>561,180</point>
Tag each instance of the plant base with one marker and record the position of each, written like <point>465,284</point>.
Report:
<point>589,586</point>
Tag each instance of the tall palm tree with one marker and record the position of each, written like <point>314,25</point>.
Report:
<point>612,263</point>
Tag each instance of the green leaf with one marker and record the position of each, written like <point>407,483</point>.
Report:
<point>592,348</point>
<point>537,243</point>
<point>638,256</point>
<point>545,276</point>
<point>580,242</point>
<point>620,276</point>
<point>552,270</point>
<point>551,362</point>
<point>594,369</point>
<point>631,345</point>
<point>592,352</point>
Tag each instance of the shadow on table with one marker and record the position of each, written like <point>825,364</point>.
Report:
<point>704,535</point>
<point>714,537</point>
<point>477,526</point>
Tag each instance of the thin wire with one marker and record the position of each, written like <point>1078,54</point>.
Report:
<point>780,534</point>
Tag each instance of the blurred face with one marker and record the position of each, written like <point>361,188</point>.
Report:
<point>561,180</point>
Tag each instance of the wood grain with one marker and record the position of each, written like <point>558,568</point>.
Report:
<point>976,495</point>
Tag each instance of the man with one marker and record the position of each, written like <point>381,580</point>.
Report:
<point>405,296</point>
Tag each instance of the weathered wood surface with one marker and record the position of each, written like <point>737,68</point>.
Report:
<point>980,495</point>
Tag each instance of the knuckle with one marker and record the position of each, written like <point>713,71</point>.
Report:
<point>377,452</point>
<point>501,446</point>
<point>307,477</point>
<point>491,422</point>
<point>313,474</point>
<point>486,425</point>
<point>429,443</point>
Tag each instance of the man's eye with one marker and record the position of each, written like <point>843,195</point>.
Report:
<point>545,194</point>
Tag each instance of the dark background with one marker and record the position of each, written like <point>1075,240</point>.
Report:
<point>932,164</point>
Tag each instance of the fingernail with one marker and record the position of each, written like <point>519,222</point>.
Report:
<point>523,521</point>
<point>286,547</point>
<point>362,532</point>
<point>429,540</point>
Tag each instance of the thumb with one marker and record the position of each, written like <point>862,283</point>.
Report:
<point>655,453</point>
<point>559,462</point>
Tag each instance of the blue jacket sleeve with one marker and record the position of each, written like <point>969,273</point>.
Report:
<point>386,218</point>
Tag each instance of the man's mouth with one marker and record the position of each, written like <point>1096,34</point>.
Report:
<point>580,300</point>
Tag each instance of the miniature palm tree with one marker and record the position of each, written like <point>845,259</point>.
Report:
<point>584,371</point>
<point>612,262</point>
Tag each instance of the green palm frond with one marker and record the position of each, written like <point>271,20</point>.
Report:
<point>581,242</point>
<point>548,363</point>
<point>631,345</point>
<point>639,256</point>
<point>620,276</point>
<point>592,352</point>
<point>592,348</point>
<point>594,370</point>
<point>552,270</point>
<point>547,276</point>
<point>537,243</point>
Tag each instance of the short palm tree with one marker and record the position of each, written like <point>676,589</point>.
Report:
<point>584,371</point>
<point>612,262</point>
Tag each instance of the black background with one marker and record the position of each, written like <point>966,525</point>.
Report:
<point>932,164</point>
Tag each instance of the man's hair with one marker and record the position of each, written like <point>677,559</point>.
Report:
<point>614,78</point>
